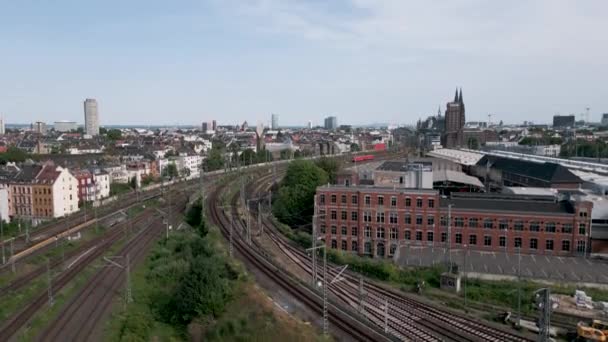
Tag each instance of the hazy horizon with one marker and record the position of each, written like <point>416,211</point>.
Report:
<point>363,61</point>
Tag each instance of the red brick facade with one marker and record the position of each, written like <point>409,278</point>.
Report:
<point>374,221</point>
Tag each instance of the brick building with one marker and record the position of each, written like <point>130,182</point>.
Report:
<point>374,221</point>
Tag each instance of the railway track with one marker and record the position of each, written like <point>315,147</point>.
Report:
<point>347,322</point>
<point>15,322</point>
<point>408,318</point>
<point>79,319</point>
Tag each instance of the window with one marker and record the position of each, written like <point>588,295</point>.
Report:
<point>534,226</point>
<point>343,231</point>
<point>533,243</point>
<point>408,219</point>
<point>566,245</point>
<point>368,232</point>
<point>334,244</point>
<point>444,221</point>
<point>518,225</point>
<point>503,224</point>
<point>380,200</point>
<point>418,219</point>
<point>408,235</point>
<point>380,233</point>
<point>418,236</point>
<point>353,230</point>
<point>354,246</point>
<point>344,215</point>
<point>393,201</point>
<point>333,198</point>
<point>344,245</point>
<point>473,222</point>
<point>429,236</point>
<point>517,242</point>
<point>502,241</point>
<point>367,216</point>
<point>487,240</point>
<point>408,202</point>
<point>334,215</point>
<point>380,217</point>
<point>444,236</point>
<point>367,248</point>
<point>458,222</point>
<point>580,246</point>
<point>343,199</point>
<point>430,220</point>
<point>334,230</point>
<point>323,229</point>
<point>488,223</point>
<point>549,245</point>
<point>393,218</point>
<point>354,199</point>
<point>368,200</point>
<point>458,238</point>
<point>472,239</point>
<point>354,216</point>
<point>581,228</point>
<point>418,202</point>
<point>567,228</point>
<point>392,249</point>
<point>394,233</point>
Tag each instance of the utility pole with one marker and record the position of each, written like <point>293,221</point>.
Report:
<point>202,194</point>
<point>128,294</point>
<point>519,286</point>
<point>231,229</point>
<point>386,316</point>
<point>248,222</point>
<point>49,278</point>
<point>464,273</point>
<point>314,242</point>
<point>325,318</point>
<point>260,227</point>
<point>12,254</point>
<point>545,306</point>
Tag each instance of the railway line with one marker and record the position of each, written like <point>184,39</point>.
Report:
<point>79,319</point>
<point>141,223</point>
<point>408,318</point>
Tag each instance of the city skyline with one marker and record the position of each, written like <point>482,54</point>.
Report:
<point>362,61</point>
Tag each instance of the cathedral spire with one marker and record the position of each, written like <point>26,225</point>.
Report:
<point>456,96</point>
<point>439,111</point>
<point>460,97</point>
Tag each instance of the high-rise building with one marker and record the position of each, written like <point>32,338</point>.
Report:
<point>65,126</point>
<point>454,122</point>
<point>309,124</point>
<point>331,123</point>
<point>604,121</point>
<point>91,117</point>
<point>214,125</point>
<point>208,126</point>
<point>563,121</point>
<point>275,122</point>
<point>39,127</point>
<point>2,128</point>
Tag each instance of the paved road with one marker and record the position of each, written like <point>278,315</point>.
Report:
<point>574,269</point>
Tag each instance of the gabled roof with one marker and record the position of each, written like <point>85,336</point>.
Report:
<point>548,172</point>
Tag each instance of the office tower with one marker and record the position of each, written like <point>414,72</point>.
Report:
<point>275,121</point>
<point>2,128</point>
<point>309,124</point>
<point>331,123</point>
<point>563,121</point>
<point>39,127</point>
<point>214,125</point>
<point>91,117</point>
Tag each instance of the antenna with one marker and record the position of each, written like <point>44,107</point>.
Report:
<point>489,120</point>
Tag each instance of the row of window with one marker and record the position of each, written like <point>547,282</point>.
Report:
<point>354,199</point>
<point>393,218</point>
<point>458,238</point>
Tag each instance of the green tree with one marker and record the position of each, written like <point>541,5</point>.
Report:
<point>13,154</point>
<point>248,157</point>
<point>295,200</point>
<point>286,154</point>
<point>355,147</point>
<point>114,134</point>
<point>215,160</point>
<point>330,166</point>
<point>133,182</point>
<point>170,171</point>
<point>473,143</point>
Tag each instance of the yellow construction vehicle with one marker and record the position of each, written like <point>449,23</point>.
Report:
<point>597,331</point>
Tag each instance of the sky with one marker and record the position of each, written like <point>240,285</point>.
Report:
<point>364,61</point>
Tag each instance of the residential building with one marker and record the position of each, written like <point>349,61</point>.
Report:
<point>274,122</point>
<point>91,117</point>
<point>331,123</point>
<point>86,185</point>
<point>374,221</point>
<point>563,121</point>
<point>65,126</point>
<point>101,181</point>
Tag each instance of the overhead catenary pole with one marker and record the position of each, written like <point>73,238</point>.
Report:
<point>386,316</point>
<point>518,286</point>
<point>260,226</point>
<point>231,229</point>
<point>361,303</point>
<point>314,244</point>
<point>12,254</point>
<point>325,284</point>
